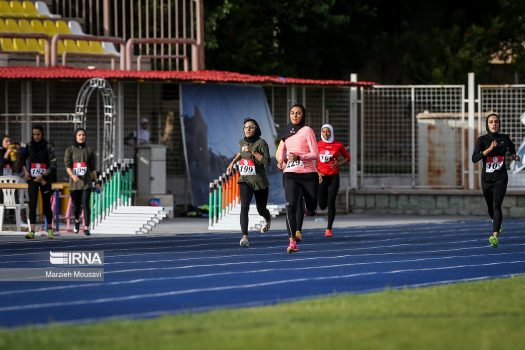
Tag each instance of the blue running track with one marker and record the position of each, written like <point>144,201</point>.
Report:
<point>149,276</point>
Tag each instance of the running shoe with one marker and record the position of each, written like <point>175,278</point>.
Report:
<point>266,227</point>
<point>76,226</point>
<point>244,242</point>
<point>298,236</point>
<point>50,233</point>
<point>86,232</point>
<point>292,248</point>
<point>328,233</point>
<point>493,240</point>
<point>30,235</point>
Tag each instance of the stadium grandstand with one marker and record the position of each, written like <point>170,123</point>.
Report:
<point>145,51</point>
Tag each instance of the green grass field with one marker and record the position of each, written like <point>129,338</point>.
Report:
<point>479,315</point>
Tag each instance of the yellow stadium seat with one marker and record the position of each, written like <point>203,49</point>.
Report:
<point>96,47</point>
<point>7,44</point>
<point>50,28</point>
<point>12,25</point>
<point>3,27</point>
<point>37,26</point>
<point>5,9</point>
<point>25,26</point>
<point>32,43</point>
<point>30,9</point>
<point>17,9</point>
<point>62,27</point>
<point>71,46</point>
<point>19,44</point>
<point>83,46</point>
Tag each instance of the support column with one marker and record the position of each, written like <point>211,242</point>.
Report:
<point>353,133</point>
<point>471,125</point>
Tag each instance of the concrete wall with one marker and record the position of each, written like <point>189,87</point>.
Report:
<point>428,202</point>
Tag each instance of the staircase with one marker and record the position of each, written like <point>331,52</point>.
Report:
<point>111,209</point>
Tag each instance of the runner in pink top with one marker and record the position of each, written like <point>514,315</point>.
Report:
<point>298,159</point>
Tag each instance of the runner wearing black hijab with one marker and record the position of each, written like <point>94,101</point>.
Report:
<point>492,148</point>
<point>252,160</point>
<point>40,171</point>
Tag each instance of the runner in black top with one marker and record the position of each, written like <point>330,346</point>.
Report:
<point>492,148</point>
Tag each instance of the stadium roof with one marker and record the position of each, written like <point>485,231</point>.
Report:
<point>205,76</point>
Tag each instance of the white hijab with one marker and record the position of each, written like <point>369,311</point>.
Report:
<point>331,128</point>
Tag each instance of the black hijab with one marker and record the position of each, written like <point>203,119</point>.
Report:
<point>256,135</point>
<point>492,135</point>
<point>42,143</point>
<point>291,129</point>
<point>79,145</point>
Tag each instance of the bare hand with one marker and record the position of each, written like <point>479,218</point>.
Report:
<point>320,177</point>
<point>493,144</point>
<point>39,178</point>
<point>291,157</point>
<point>229,169</point>
<point>245,148</point>
<point>74,178</point>
<point>516,158</point>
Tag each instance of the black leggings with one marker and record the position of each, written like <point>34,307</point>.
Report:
<point>80,200</point>
<point>494,192</point>
<point>327,195</point>
<point>261,199</point>
<point>299,214</point>
<point>294,185</point>
<point>46,192</point>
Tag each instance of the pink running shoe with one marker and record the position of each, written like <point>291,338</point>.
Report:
<point>328,233</point>
<point>292,248</point>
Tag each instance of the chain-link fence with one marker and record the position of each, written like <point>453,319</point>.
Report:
<point>509,102</point>
<point>407,136</point>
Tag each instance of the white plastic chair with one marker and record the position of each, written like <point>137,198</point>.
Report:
<point>10,202</point>
<point>44,10</point>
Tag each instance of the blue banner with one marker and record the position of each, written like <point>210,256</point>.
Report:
<point>213,117</point>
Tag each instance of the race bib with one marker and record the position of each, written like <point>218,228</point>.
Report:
<point>326,157</point>
<point>294,164</point>
<point>494,163</point>
<point>80,168</point>
<point>37,169</point>
<point>7,170</point>
<point>246,167</point>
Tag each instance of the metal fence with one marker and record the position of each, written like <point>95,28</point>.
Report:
<point>412,136</point>
<point>407,136</point>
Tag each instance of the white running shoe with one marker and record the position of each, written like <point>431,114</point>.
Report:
<point>244,242</point>
<point>266,227</point>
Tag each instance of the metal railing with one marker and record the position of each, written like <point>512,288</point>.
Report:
<point>115,192</point>
<point>223,196</point>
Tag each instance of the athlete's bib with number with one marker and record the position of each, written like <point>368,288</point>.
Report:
<point>294,164</point>
<point>37,169</point>
<point>494,163</point>
<point>246,167</point>
<point>80,168</point>
<point>326,157</point>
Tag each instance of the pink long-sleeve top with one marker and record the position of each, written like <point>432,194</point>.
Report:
<point>303,144</point>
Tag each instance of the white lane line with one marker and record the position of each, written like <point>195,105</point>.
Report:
<point>226,273</point>
<point>110,254</point>
<point>252,303</point>
<point>183,239</point>
<point>233,287</point>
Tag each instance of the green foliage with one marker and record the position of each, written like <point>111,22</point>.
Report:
<point>392,41</point>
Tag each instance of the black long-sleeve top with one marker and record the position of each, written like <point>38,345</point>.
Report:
<point>494,168</point>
